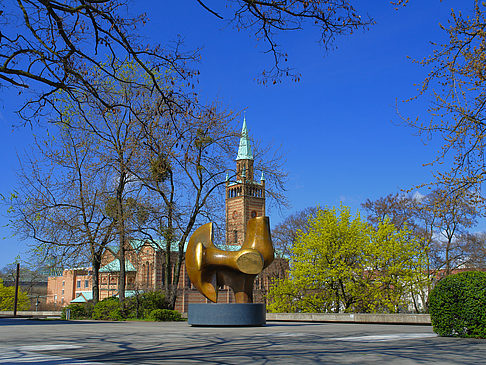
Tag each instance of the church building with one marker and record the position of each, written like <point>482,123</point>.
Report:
<point>245,198</point>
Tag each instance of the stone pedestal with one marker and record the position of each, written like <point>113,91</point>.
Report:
<point>223,314</point>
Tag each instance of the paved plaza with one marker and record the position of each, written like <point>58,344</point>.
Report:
<point>24,341</point>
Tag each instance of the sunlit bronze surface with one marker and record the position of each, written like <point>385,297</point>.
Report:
<point>209,267</point>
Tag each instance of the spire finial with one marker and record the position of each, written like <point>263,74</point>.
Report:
<point>263,177</point>
<point>244,150</point>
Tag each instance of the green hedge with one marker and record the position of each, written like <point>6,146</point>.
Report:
<point>78,311</point>
<point>457,305</point>
<point>141,305</point>
<point>164,315</point>
<point>108,309</point>
<point>149,305</point>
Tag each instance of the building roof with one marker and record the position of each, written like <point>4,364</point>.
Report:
<point>83,297</point>
<point>86,296</point>
<point>244,150</point>
<point>138,244</point>
<point>114,266</point>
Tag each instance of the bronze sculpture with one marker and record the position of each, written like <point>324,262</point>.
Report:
<point>209,267</point>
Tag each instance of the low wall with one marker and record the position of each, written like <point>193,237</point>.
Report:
<point>31,313</point>
<point>423,319</point>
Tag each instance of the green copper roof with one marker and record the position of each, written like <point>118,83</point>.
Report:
<point>88,295</point>
<point>83,297</point>
<point>114,266</point>
<point>244,150</point>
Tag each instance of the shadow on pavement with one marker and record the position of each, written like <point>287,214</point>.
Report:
<point>278,350</point>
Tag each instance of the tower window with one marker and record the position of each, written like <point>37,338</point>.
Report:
<point>236,236</point>
<point>253,214</point>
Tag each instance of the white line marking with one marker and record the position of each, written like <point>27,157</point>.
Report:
<point>19,356</point>
<point>49,347</point>
<point>384,338</point>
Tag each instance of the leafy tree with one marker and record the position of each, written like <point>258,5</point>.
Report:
<point>344,264</point>
<point>7,297</point>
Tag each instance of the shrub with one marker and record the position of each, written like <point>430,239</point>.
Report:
<point>457,305</point>
<point>141,305</point>
<point>78,311</point>
<point>108,309</point>
<point>164,315</point>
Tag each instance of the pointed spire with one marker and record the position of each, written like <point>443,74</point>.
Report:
<point>263,177</point>
<point>227,176</point>
<point>244,150</point>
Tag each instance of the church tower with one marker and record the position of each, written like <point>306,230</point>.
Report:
<point>245,198</point>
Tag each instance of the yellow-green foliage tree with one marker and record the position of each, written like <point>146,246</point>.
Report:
<point>343,264</point>
<point>7,296</point>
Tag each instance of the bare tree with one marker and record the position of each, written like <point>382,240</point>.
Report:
<point>475,250</point>
<point>59,203</point>
<point>186,180</point>
<point>53,45</point>
<point>267,20</point>
<point>454,215</point>
<point>117,134</point>
<point>439,221</point>
<point>456,85</point>
<point>399,208</point>
<point>285,234</point>
<point>50,46</point>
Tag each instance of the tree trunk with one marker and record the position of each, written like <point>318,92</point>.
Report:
<point>96,262</point>
<point>121,277</point>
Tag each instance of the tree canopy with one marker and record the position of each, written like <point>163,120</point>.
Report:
<point>343,264</point>
<point>7,297</point>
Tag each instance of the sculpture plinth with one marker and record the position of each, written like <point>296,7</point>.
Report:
<point>226,314</point>
<point>209,268</point>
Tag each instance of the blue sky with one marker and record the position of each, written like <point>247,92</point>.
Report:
<point>338,127</point>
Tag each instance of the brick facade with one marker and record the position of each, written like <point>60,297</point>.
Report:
<point>62,289</point>
<point>245,199</point>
